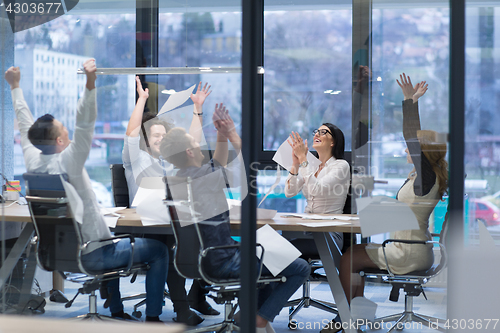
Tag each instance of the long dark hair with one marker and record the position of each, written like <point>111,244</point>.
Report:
<point>338,140</point>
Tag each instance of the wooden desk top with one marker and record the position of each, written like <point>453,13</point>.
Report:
<point>20,213</point>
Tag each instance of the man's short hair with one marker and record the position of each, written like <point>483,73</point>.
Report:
<point>43,134</point>
<point>149,120</point>
<point>173,147</point>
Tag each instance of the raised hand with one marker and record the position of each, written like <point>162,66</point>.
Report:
<point>222,121</point>
<point>421,88</point>
<point>299,146</point>
<point>199,97</point>
<point>90,69</point>
<point>407,87</point>
<point>143,93</point>
<point>13,76</point>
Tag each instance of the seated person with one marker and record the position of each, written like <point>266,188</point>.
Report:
<point>325,187</point>
<point>142,158</point>
<point>426,183</point>
<point>48,149</point>
<point>182,150</point>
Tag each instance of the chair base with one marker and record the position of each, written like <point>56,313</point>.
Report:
<point>306,302</point>
<point>408,316</point>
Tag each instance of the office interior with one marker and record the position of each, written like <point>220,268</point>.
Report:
<point>290,66</point>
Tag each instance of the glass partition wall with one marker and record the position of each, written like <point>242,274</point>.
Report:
<point>324,61</point>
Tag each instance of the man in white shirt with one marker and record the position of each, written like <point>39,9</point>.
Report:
<point>142,158</point>
<point>48,149</point>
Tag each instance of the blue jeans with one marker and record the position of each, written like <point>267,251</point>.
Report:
<point>117,255</point>
<point>272,297</point>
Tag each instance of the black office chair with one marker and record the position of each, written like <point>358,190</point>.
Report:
<point>412,283</point>
<point>119,186</point>
<point>190,252</point>
<point>59,241</point>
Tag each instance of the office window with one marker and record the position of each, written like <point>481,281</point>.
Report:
<point>307,60</point>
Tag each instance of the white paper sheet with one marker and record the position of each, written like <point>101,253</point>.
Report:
<point>384,214</point>
<point>176,100</point>
<point>328,217</point>
<point>235,211</point>
<point>149,201</point>
<point>283,157</point>
<point>278,252</point>
<point>110,221</point>
<point>322,224</point>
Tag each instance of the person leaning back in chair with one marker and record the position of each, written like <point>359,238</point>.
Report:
<point>142,158</point>
<point>182,150</point>
<point>48,149</point>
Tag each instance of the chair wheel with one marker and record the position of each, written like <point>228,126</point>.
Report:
<point>137,314</point>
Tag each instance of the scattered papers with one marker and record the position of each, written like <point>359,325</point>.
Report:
<point>278,252</point>
<point>235,211</point>
<point>283,157</point>
<point>329,217</point>
<point>176,100</point>
<point>383,214</point>
<point>322,224</point>
<point>110,216</point>
<point>306,216</point>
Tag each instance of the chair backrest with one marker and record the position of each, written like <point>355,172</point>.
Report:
<point>119,185</point>
<point>58,236</point>
<point>189,243</point>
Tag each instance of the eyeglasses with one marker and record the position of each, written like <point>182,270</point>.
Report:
<point>322,132</point>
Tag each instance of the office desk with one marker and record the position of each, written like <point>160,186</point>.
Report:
<point>329,253</point>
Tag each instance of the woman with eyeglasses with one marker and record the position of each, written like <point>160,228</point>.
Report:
<point>325,187</point>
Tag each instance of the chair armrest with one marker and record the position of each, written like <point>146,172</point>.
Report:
<point>405,241</point>
<point>132,244</point>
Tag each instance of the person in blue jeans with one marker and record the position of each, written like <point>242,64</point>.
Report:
<point>209,182</point>
<point>116,255</point>
<point>48,149</point>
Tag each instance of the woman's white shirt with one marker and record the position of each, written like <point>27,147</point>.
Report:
<point>326,193</point>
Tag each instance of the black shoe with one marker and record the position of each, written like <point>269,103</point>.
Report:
<point>153,319</point>
<point>189,318</point>
<point>123,315</point>
<point>57,296</point>
<point>204,308</point>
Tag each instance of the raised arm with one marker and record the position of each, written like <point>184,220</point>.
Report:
<point>135,121</point>
<point>77,152</point>
<point>411,125</point>
<point>196,128</point>
<point>225,131</point>
<point>23,113</point>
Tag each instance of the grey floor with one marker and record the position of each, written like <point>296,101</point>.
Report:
<point>309,320</point>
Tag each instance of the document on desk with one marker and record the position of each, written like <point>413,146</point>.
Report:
<point>278,252</point>
<point>322,224</point>
<point>110,216</point>
<point>382,214</point>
